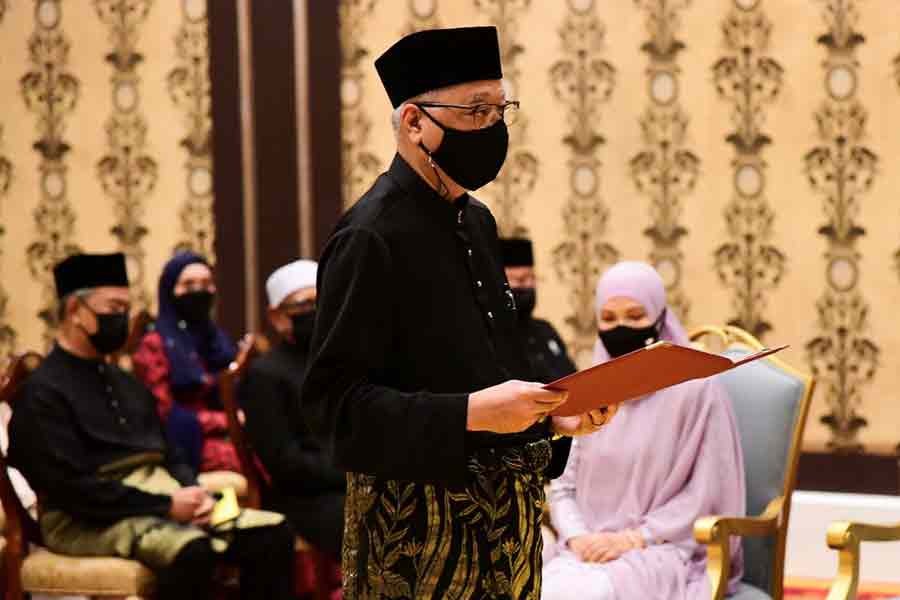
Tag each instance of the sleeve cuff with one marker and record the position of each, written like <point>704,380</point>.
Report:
<point>570,532</point>
<point>445,430</point>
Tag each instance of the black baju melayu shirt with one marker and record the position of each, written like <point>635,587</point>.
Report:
<point>75,416</point>
<point>306,487</point>
<point>546,351</point>
<point>270,397</point>
<point>414,314</point>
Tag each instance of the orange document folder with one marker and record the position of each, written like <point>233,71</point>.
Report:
<point>642,372</point>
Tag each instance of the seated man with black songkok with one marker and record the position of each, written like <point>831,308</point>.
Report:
<point>87,437</point>
<point>545,349</point>
<point>306,486</point>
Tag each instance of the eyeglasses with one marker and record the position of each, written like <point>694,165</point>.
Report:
<point>482,115</point>
<point>299,308</point>
<point>197,285</point>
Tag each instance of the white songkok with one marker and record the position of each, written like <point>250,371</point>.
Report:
<point>288,279</point>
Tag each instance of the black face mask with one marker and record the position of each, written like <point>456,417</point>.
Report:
<point>622,339</point>
<point>194,307</point>
<point>471,158</point>
<point>303,327</point>
<point>112,331</point>
<point>526,298</point>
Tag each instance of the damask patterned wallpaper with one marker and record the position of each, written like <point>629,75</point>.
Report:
<point>746,147</point>
<point>104,145</point>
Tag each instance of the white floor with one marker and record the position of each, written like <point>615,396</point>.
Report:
<point>811,513</point>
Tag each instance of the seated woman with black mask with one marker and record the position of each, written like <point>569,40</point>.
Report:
<point>180,361</point>
<point>626,504</point>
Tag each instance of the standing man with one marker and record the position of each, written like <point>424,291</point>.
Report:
<point>545,349</point>
<point>415,354</point>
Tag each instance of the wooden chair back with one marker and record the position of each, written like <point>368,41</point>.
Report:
<point>228,382</point>
<point>251,346</point>
<point>21,527</point>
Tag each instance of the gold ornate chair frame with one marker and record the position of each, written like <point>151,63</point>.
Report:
<point>846,537</point>
<point>715,531</point>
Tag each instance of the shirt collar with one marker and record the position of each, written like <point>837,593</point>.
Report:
<point>77,361</point>
<point>407,178</point>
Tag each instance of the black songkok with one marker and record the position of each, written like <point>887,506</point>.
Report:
<point>436,58</point>
<point>517,252</point>
<point>83,271</point>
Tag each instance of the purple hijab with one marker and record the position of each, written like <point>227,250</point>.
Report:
<point>665,460</point>
<point>638,281</point>
<point>190,348</point>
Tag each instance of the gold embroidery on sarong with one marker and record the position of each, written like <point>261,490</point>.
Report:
<point>407,540</point>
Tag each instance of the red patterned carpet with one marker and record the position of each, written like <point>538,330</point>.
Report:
<point>801,594</point>
<point>795,589</point>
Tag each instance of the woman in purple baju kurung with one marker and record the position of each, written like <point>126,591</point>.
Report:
<point>625,507</point>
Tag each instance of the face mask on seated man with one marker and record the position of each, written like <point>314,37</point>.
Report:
<point>545,348</point>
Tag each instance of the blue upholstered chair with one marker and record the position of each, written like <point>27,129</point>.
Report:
<point>771,401</point>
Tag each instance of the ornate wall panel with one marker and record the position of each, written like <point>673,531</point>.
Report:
<point>582,81</point>
<point>895,63</point>
<point>841,169</point>
<point>127,172</point>
<point>189,88</point>
<point>423,14</point>
<point>360,165</point>
<point>665,169</point>
<point>7,331</point>
<point>747,79</point>
<point>799,196</point>
<point>728,82</point>
<point>91,136</point>
<point>518,177</point>
<point>50,92</point>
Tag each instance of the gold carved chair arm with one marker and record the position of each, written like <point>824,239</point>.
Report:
<point>715,533</point>
<point>845,537</point>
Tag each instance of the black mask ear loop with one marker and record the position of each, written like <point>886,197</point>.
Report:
<point>443,190</point>
<point>81,326</point>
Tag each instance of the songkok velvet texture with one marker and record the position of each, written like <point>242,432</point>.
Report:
<point>436,58</point>
<point>84,271</point>
<point>517,252</point>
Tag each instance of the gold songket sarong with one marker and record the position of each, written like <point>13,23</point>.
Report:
<point>407,540</point>
<point>151,540</point>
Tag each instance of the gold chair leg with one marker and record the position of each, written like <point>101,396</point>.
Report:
<point>841,537</point>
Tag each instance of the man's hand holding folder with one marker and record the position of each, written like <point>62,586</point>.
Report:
<point>511,406</point>
<point>515,406</point>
